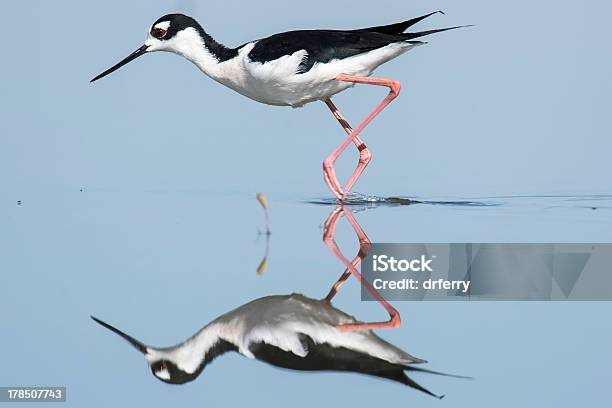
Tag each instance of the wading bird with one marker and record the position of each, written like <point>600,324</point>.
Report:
<point>290,331</point>
<point>293,68</point>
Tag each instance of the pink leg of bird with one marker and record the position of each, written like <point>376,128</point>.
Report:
<point>351,269</point>
<point>364,154</point>
<point>329,174</point>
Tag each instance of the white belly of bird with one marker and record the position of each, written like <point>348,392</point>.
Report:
<point>279,82</point>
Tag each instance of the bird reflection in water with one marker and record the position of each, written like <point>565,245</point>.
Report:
<point>293,332</point>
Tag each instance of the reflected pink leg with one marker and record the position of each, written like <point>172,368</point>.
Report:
<point>330,232</point>
<point>329,174</point>
<point>351,269</point>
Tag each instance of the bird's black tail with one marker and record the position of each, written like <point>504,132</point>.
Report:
<point>400,28</point>
<point>410,36</point>
<point>403,378</point>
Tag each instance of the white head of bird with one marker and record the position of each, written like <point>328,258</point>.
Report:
<point>175,33</point>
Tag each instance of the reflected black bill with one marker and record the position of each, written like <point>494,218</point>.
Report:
<point>121,63</point>
<point>138,345</point>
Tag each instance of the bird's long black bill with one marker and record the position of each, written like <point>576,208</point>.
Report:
<point>140,51</point>
<point>138,345</point>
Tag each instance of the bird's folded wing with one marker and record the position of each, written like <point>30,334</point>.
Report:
<point>319,45</point>
<point>278,337</point>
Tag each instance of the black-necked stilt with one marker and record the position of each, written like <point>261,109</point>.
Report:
<point>291,331</point>
<point>293,68</point>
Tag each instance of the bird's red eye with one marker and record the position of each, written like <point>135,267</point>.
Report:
<point>158,32</point>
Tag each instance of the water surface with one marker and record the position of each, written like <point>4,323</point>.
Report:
<point>161,264</point>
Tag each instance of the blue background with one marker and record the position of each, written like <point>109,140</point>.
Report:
<point>163,237</point>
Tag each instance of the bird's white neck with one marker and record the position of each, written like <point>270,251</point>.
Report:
<point>190,44</point>
<point>189,355</point>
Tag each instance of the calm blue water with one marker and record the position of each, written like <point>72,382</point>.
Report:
<point>501,132</point>
<point>160,264</point>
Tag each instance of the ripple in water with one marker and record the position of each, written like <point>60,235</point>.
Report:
<point>362,200</point>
